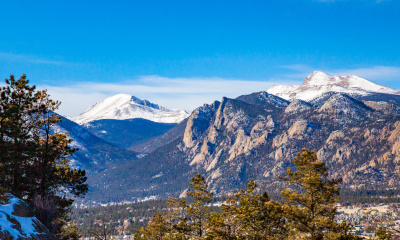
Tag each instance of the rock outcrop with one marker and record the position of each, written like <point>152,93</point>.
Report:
<point>17,221</point>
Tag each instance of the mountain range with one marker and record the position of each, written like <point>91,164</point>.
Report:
<point>354,125</point>
<point>106,133</point>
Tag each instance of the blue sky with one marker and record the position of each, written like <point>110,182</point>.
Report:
<point>182,54</point>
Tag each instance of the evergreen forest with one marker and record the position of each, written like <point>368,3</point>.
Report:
<point>34,159</point>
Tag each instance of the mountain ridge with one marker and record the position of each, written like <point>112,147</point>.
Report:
<point>319,83</point>
<point>255,136</point>
<point>230,142</point>
<point>127,133</point>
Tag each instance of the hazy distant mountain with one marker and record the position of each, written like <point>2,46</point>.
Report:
<point>256,136</point>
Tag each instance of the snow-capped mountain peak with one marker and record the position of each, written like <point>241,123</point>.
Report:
<point>319,83</point>
<point>316,78</point>
<point>124,106</point>
<point>351,81</point>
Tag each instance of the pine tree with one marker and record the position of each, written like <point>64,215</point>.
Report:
<point>383,234</point>
<point>310,203</point>
<point>103,230</point>
<point>157,229</point>
<point>258,216</point>
<point>224,225</point>
<point>19,116</point>
<point>248,216</point>
<point>69,232</point>
<point>198,211</point>
<point>34,161</point>
<point>52,152</point>
<point>176,220</point>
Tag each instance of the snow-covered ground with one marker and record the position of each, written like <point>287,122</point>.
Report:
<point>28,225</point>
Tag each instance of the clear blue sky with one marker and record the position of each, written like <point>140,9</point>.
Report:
<point>155,46</point>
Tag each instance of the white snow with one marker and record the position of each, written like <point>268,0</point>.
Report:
<point>319,83</point>
<point>27,223</point>
<point>124,106</point>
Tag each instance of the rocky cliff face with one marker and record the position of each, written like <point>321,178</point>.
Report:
<point>17,221</point>
<point>256,136</point>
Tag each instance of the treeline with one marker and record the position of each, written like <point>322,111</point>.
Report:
<point>308,211</point>
<point>369,196</point>
<point>139,214</point>
<point>136,214</point>
<point>34,163</point>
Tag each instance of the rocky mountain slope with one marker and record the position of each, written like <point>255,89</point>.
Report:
<point>127,133</point>
<point>94,153</point>
<point>17,220</point>
<point>256,136</point>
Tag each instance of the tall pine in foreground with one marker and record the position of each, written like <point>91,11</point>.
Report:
<point>198,210</point>
<point>248,216</point>
<point>310,202</point>
<point>258,216</point>
<point>34,158</point>
<point>20,112</point>
<point>182,221</point>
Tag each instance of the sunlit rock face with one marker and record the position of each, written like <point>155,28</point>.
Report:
<point>244,138</point>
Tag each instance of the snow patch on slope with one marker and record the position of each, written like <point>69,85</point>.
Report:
<point>124,106</point>
<point>28,225</point>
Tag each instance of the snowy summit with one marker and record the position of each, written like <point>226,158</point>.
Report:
<point>124,106</point>
<point>318,83</point>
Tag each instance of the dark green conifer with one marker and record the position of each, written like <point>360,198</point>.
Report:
<point>156,229</point>
<point>224,225</point>
<point>383,234</point>
<point>258,216</point>
<point>310,203</point>
<point>33,158</point>
<point>198,210</point>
